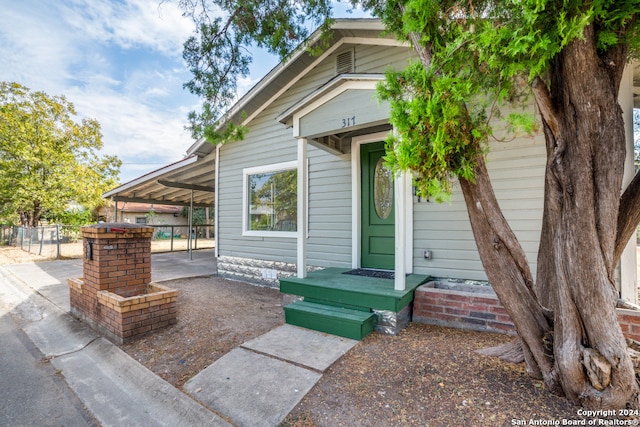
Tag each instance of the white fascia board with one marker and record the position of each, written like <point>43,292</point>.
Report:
<point>326,97</point>
<point>358,24</point>
<point>196,146</point>
<point>334,86</point>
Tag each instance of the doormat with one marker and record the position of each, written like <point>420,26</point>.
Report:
<point>380,274</point>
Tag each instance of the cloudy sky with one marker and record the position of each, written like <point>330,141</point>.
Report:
<point>118,61</point>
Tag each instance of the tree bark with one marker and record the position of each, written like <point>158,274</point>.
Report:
<point>508,271</point>
<point>567,320</point>
<point>585,139</point>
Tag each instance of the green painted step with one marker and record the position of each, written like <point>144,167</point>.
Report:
<point>333,320</point>
<point>331,285</point>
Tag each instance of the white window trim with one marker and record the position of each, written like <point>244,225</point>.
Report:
<point>275,167</point>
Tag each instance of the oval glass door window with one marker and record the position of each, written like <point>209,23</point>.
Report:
<point>382,190</point>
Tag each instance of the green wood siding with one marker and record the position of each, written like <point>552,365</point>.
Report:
<point>329,242</point>
<point>269,141</point>
<point>350,110</point>
<point>263,145</point>
<point>517,171</point>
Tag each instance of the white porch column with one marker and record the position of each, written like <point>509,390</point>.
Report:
<point>216,202</point>
<point>190,236</point>
<point>302,208</point>
<point>403,219</point>
<point>628,262</point>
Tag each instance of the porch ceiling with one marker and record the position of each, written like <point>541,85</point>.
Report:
<point>172,184</point>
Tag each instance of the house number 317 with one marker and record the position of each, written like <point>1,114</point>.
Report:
<point>349,121</point>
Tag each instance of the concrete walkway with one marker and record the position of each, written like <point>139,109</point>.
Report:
<point>257,384</point>
<point>260,382</point>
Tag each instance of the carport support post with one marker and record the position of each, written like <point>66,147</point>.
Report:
<point>190,239</point>
<point>41,241</point>
<point>302,209</point>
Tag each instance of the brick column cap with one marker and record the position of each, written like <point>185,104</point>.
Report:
<point>116,228</point>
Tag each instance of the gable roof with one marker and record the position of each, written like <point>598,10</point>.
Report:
<point>292,69</point>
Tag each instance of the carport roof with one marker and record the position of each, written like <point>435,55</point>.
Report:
<point>173,184</point>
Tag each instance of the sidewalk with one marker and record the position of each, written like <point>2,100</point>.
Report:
<point>257,384</point>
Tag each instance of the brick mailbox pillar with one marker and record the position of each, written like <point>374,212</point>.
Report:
<point>115,295</point>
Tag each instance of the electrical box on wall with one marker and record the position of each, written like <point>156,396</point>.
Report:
<point>428,254</point>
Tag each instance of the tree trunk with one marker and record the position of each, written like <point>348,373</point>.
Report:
<point>586,146</point>
<point>507,268</point>
<point>37,212</point>
<point>580,351</point>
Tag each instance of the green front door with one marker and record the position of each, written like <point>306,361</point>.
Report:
<point>378,213</point>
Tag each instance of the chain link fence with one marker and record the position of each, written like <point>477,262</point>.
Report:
<point>171,238</point>
<point>65,241</point>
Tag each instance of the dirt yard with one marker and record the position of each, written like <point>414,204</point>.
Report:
<point>214,317</point>
<point>425,376</point>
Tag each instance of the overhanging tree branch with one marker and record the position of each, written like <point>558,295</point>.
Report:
<point>628,216</point>
<point>545,105</point>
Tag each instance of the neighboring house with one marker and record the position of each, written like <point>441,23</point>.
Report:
<point>147,214</point>
<point>307,189</point>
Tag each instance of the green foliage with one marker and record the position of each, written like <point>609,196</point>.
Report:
<point>199,215</point>
<point>75,217</point>
<point>217,56</point>
<point>47,157</point>
<point>152,218</point>
<point>479,57</point>
<point>229,132</point>
<point>438,137</point>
